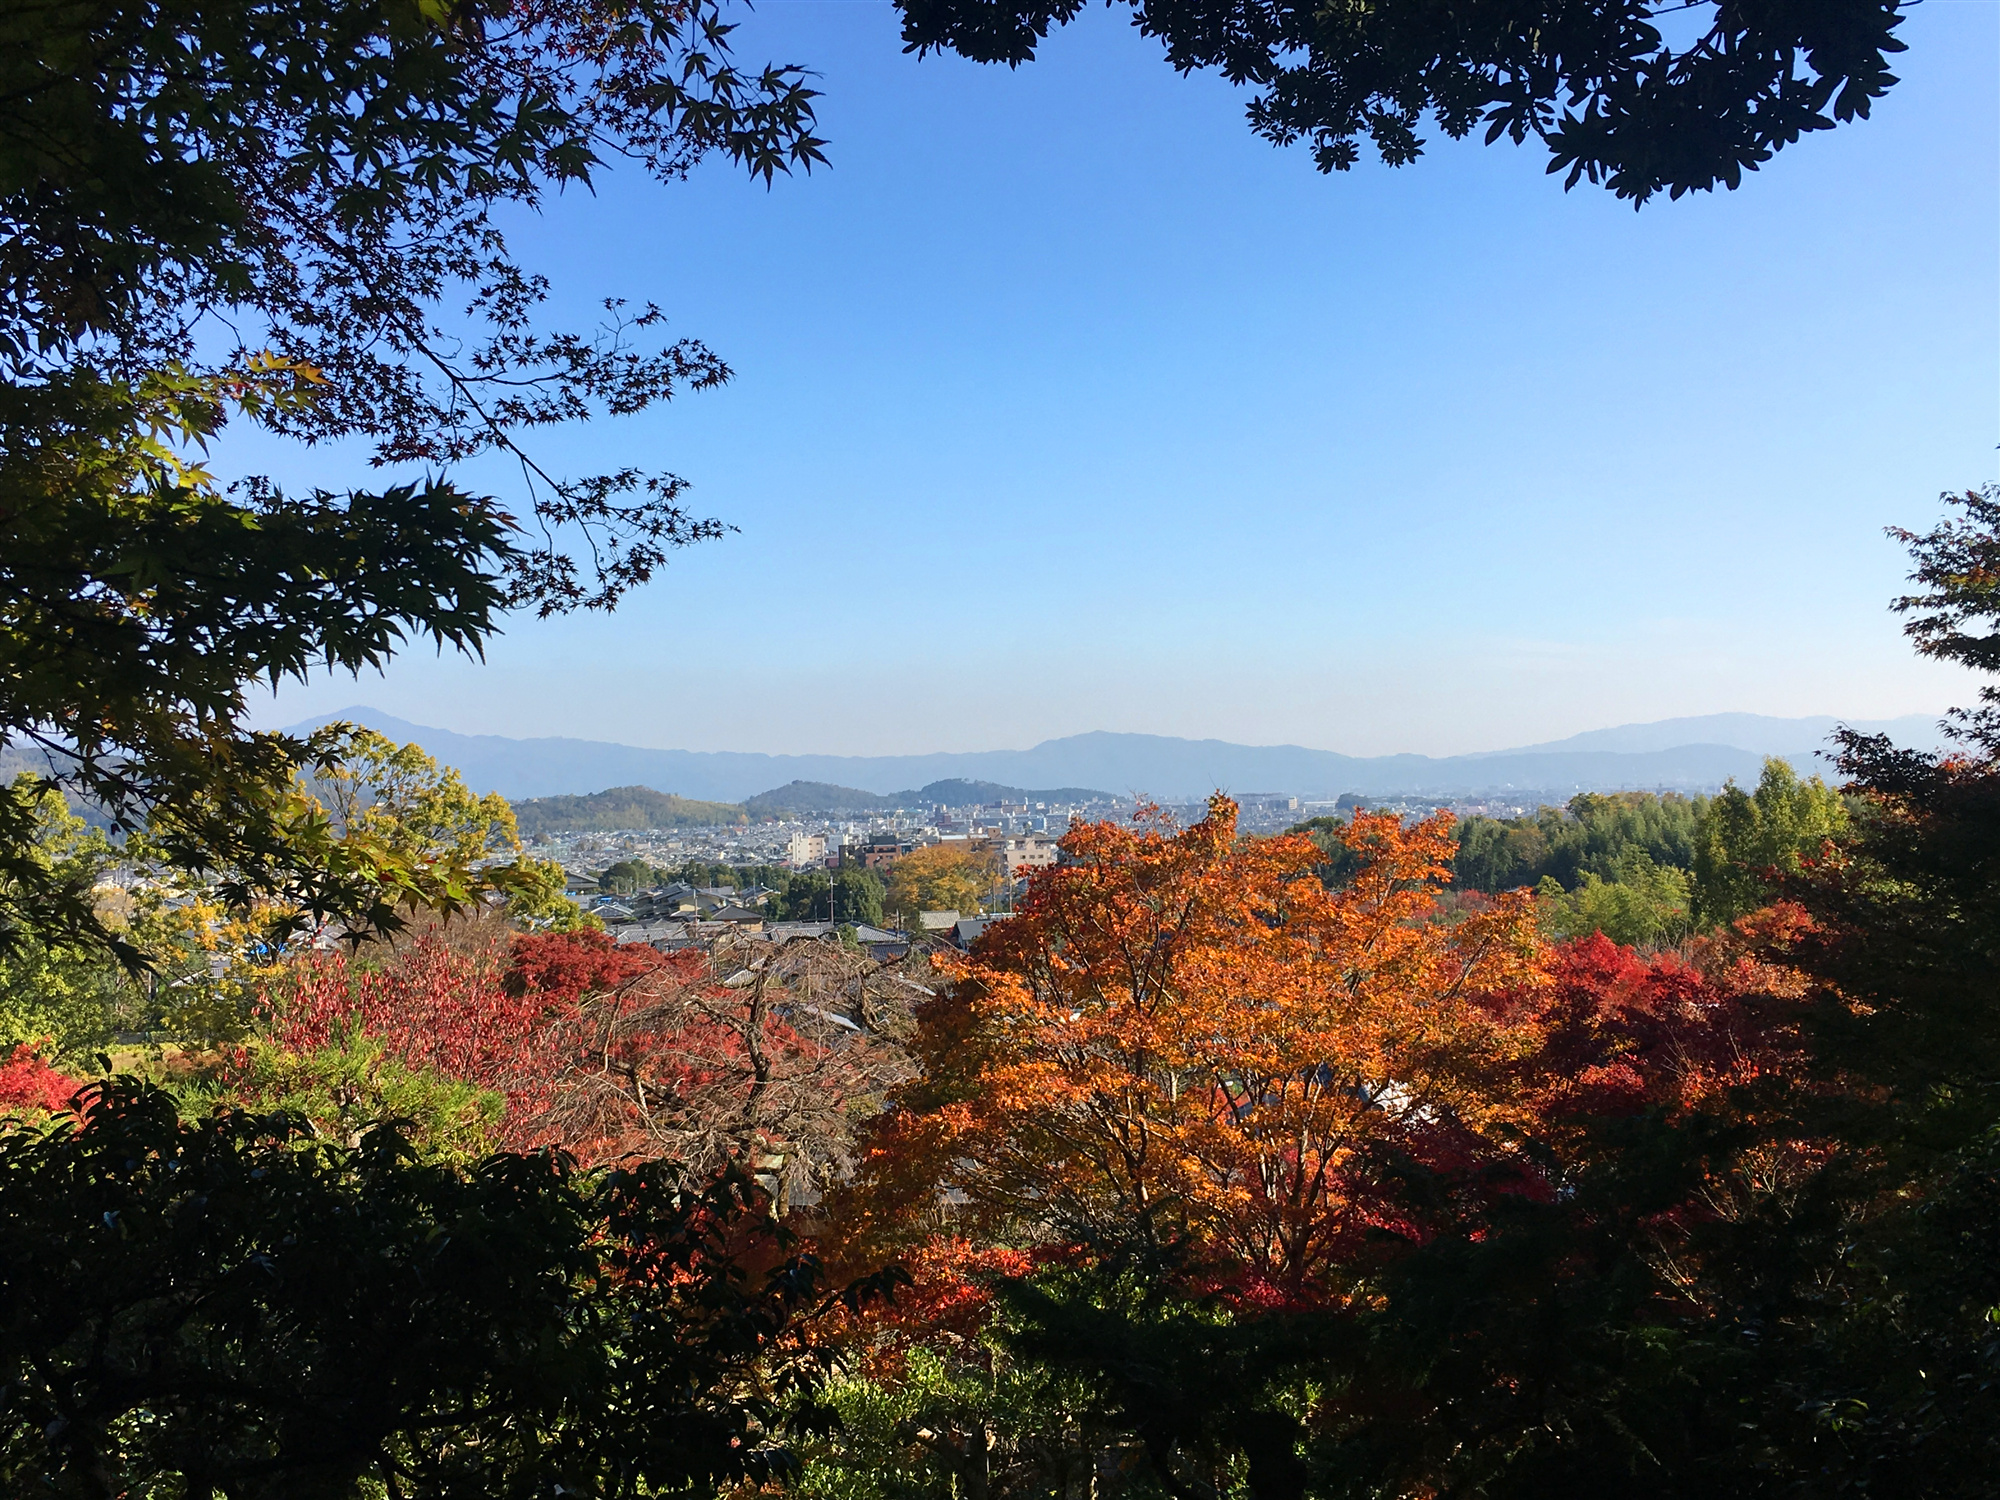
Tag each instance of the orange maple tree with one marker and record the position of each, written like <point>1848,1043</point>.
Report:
<point>1186,1039</point>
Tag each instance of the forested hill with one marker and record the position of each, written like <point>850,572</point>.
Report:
<point>642,807</point>
<point>806,798</point>
<point>622,807</point>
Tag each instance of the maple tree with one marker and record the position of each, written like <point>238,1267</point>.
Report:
<point>1636,94</point>
<point>1645,1172</point>
<point>1409,1175</point>
<point>448,1007</point>
<point>404,834</point>
<point>1722,1224</point>
<point>1184,1038</point>
<point>409,803</point>
<point>29,1083</point>
<point>286,215</point>
<point>1899,1348</point>
<point>755,1054</point>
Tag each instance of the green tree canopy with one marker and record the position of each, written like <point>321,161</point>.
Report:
<point>1643,905</point>
<point>857,896</point>
<point>403,799</point>
<point>69,998</point>
<point>1750,839</point>
<point>222,1306</point>
<point>806,897</point>
<point>1958,573</point>
<point>626,876</point>
<point>1590,835</point>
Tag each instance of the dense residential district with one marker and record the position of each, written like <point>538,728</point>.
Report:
<point>685,887</point>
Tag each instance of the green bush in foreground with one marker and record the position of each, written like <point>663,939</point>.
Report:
<point>219,1305</point>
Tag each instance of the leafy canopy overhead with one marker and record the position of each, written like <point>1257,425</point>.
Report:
<point>192,183</point>
<point>1643,96</point>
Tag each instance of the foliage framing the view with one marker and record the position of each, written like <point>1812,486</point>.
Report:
<point>1638,95</point>
<point>185,188</point>
<point>323,180</point>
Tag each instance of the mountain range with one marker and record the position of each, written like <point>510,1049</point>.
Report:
<point>1691,754</point>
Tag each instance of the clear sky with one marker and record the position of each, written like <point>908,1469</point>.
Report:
<point>1062,402</point>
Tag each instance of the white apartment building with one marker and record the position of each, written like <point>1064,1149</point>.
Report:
<point>1022,852</point>
<point>805,851</point>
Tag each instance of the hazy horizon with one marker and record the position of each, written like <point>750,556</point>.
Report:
<point>1904,723</point>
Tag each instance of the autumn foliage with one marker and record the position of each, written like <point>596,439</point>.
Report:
<point>1675,1032</point>
<point>29,1083</point>
<point>610,1050</point>
<point>436,1006</point>
<point>940,877</point>
<point>1189,1039</point>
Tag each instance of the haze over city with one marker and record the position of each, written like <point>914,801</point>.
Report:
<point>1062,403</point>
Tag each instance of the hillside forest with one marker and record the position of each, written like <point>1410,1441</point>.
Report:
<point>640,807</point>
<point>1646,1147</point>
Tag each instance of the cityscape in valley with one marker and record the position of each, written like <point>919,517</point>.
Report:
<point>998,835</point>
<point>809,858</point>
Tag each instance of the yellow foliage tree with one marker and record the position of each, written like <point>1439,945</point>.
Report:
<point>403,800</point>
<point>940,877</point>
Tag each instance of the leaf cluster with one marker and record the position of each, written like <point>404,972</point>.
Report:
<point>1957,614</point>
<point>137,602</point>
<point>940,877</point>
<point>1184,1037</point>
<point>186,187</point>
<point>1635,94</point>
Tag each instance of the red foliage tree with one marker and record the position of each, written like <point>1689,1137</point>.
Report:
<point>1677,1032</point>
<point>1187,1041</point>
<point>27,1082</point>
<point>434,1006</point>
<point>610,1050</point>
<point>757,1053</point>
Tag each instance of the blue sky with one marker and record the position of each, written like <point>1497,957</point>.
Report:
<point>1063,403</point>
